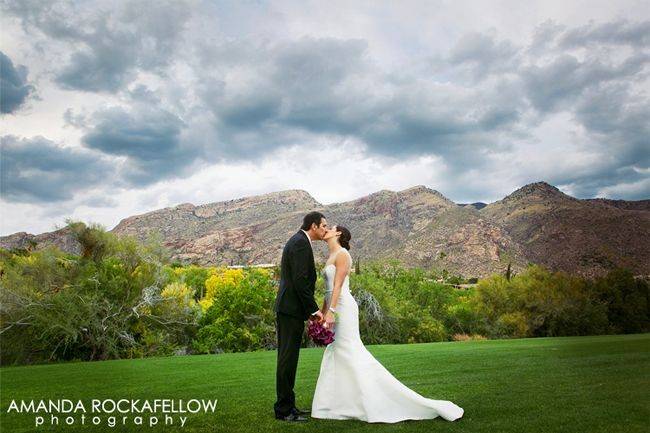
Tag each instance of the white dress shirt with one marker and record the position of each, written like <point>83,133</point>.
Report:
<point>312,250</point>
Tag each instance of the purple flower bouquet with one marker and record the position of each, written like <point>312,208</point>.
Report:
<point>320,335</point>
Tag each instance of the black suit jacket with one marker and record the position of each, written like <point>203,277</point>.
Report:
<point>297,278</point>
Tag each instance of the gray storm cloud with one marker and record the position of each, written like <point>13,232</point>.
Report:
<point>234,98</point>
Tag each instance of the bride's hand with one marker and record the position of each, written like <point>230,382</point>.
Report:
<point>329,319</point>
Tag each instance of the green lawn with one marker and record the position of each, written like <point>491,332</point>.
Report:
<point>569,384</point>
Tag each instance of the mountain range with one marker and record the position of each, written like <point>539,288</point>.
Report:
<point>418,226</point>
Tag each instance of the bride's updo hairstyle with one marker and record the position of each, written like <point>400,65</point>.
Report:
<point>345,237</point>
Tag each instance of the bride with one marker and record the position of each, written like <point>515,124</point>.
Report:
<point>352,384</point>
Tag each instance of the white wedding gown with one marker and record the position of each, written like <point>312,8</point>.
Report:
<point>352,384</point>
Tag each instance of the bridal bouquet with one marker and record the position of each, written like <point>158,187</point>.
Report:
<point>320,335</point>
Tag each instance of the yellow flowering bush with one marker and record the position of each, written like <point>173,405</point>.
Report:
<point>178,301</point>
<point>180,293</point>
<point>219,278</point>
<point>239,314</point>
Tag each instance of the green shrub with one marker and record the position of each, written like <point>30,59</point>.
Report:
<point>122,298</point>
<point>241,316</point>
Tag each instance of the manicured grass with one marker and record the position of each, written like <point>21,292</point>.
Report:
<point>569,384</point>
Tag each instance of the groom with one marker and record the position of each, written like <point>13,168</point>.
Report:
<point>293,305</point>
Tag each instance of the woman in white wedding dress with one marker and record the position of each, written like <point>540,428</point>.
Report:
<point>352,384</point>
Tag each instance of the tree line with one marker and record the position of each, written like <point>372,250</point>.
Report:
<point>121,298</point>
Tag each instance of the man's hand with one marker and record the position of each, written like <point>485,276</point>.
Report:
<point>317,316</point>
<point>329,319</point>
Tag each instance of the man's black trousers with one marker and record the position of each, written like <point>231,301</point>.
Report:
<point>289,331</point>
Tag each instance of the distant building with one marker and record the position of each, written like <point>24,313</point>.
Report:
<point>260,265</point>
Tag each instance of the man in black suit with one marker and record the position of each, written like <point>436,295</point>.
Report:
<point>294,304</point>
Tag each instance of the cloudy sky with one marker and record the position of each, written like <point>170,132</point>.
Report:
<point>111,108</point>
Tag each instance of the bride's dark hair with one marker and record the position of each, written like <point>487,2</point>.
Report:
<point>345,237</point>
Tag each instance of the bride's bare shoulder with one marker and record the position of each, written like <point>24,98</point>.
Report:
<point>341,258</point>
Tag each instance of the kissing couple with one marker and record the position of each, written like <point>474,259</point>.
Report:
<point>352,384</point>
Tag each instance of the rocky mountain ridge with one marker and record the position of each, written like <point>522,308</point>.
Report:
<point>419,226</point>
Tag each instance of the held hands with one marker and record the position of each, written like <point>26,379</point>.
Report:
<point>317,316</point>
<point>329,319</point>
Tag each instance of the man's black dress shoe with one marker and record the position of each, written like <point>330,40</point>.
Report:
<point>299,411</point>
<point>292,417</point>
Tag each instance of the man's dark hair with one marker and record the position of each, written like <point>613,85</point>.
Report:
<point>311,218</point>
